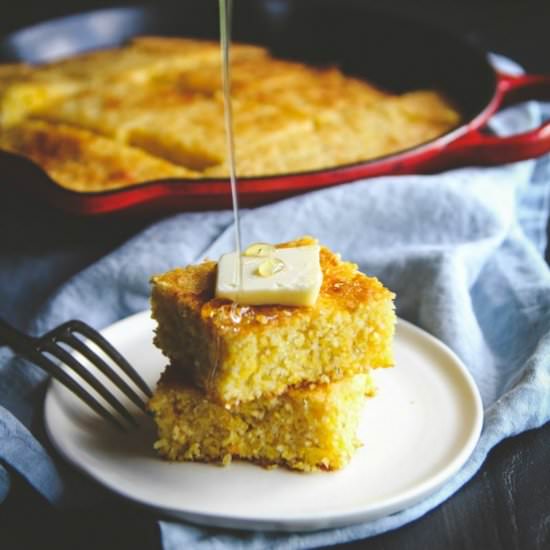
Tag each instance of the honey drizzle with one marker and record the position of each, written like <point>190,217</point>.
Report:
<point>226,8</point>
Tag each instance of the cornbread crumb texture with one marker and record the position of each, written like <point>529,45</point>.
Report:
<point>156,104</point>
<point>348,331</point>
<point>311,427</point>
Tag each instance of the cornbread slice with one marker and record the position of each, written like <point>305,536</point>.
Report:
<point>193,134</point>
<point>239,353</point>
<point>310,427</point>
<point>26,89</point>
<point>23,91</point>
<point>83,161</point>
<point>181,125</point>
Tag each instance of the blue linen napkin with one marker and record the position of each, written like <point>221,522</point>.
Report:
<point>462,250</point>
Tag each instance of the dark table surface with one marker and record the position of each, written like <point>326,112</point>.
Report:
<point>506,505</point>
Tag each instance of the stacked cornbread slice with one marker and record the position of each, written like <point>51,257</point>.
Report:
<point>273,384</point>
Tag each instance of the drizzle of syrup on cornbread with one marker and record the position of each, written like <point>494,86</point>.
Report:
<point>343,285</point>
<point>226,8</point>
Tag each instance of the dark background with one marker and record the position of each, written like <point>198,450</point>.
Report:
<point>506,505</point>
<point>517,28</point>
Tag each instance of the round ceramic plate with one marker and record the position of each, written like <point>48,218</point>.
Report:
<point>427,409</point>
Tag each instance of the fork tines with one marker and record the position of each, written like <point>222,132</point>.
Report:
<point>71,335</point>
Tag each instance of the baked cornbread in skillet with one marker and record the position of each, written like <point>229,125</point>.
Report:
<point>309,427</point>
<point>269,348</point>
<point>161,96</point>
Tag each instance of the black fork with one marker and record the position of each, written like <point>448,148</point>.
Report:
<point>71,334</point>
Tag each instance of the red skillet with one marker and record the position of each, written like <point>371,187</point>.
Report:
<point>394,53</point>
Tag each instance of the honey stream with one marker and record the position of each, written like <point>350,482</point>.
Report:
<point>225,9</point>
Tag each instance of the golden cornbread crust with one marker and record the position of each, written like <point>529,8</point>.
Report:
<point>162,97</point>
<point>269,348</point>
<point>310,427</point>
<point>83,161</point>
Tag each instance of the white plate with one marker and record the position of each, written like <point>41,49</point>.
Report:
<point>417,432</point>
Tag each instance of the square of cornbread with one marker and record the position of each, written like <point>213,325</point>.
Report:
<point>309,427</point>
<point>84,161</point>
<point>239,353</point>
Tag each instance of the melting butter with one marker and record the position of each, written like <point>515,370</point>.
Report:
<point>260,249</point>
<point>296,283</point>
<point>270,266</point>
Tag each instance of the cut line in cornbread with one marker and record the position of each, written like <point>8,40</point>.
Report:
<point>308,428</point>
<point>83,161</point>
<point>237,354</point>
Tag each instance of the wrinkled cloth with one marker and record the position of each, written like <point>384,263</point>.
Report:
<point>463,251</point>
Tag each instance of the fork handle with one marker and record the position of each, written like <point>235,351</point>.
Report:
<point>16,340</point>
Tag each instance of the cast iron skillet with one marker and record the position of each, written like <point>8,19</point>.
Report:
<point>395,53</point>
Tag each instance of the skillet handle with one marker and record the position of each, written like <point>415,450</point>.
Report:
<point>478,148</point>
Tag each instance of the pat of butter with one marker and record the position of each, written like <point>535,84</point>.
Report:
<point>297,284</point>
